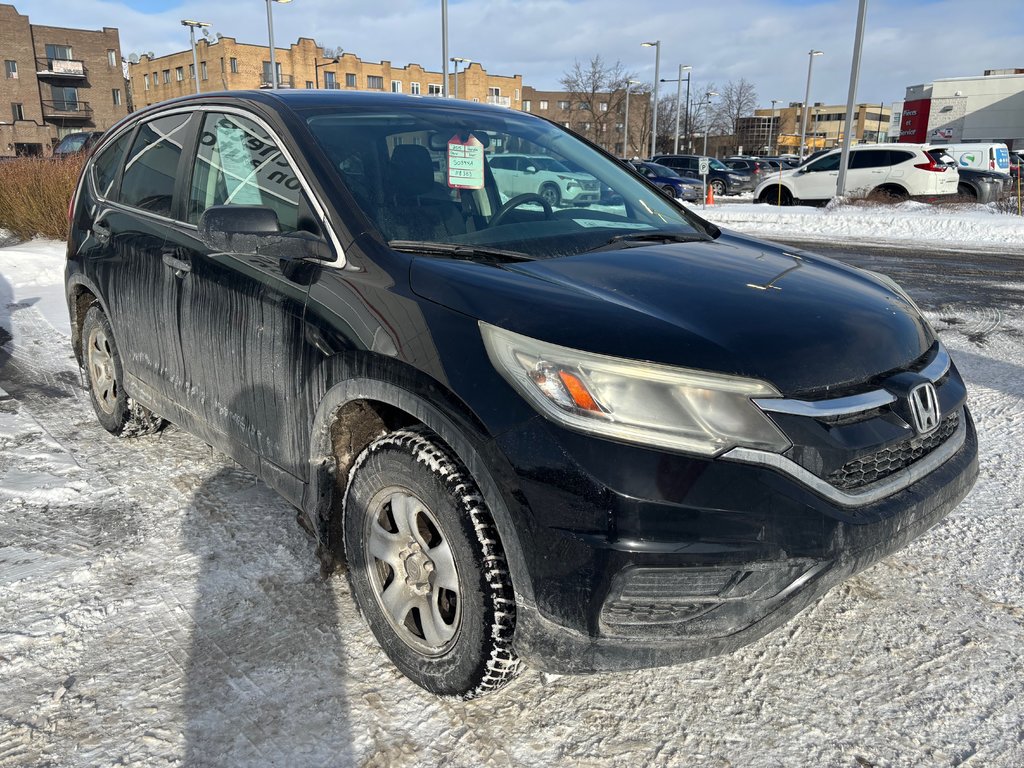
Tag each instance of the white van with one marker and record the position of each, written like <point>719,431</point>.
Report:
<point>984,157</point>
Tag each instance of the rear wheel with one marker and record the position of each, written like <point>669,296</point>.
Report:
<point>891,193</point>
<point>118,413</point>
<point>426,566</point>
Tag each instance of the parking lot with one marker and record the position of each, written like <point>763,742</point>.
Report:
<point>163,608</point>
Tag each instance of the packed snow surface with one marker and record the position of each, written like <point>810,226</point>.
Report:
<point>161,607</point>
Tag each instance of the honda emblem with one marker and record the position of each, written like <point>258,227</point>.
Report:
<point>924,408</point>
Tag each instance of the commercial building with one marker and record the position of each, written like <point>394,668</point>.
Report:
<point>56,81</point>
<point>598,117</point>
<point>769,131</point>
<point>953,110</point>
<point>227,65</point>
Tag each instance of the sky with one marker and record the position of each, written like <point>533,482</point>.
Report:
<point>907,42</point>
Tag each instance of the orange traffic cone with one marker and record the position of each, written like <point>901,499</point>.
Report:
<point>711,195</point>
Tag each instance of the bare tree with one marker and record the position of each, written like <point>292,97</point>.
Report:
<point>597,93</point>
<point>735,100</point>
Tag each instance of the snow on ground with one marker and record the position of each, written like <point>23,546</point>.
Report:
<point>161,607</point>
<point>910,224</point>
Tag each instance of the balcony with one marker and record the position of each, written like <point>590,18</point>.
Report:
<point>67,110</point>
<point>283,81</point>
<point>59,68</point>
<point>501,101</point>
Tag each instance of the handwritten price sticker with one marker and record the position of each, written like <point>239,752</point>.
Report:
<point>465,163</point>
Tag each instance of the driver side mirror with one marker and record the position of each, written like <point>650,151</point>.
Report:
<point>256,229</point>
<point>530,169</point>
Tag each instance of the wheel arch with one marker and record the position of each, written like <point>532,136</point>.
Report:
<point>82,294</point>
<point>355,411</point>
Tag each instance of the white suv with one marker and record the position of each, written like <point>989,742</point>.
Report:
<point>897,170</point>
<point>545,176</point>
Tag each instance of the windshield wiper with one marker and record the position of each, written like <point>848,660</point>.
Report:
<point>457,250</point>
<point>642,238</point>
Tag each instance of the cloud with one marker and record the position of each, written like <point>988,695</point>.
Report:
<point>765,41</point>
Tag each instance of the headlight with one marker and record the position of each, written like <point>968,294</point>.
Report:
<point>638,402</point>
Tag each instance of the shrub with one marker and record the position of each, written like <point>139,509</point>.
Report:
<point>34,195</point>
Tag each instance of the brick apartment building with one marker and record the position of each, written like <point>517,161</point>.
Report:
<point>226,64</point>
<point>601,122</point>
<point>56,81</point>
<point>768,131</point>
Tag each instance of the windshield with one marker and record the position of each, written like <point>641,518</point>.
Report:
<point>718,165</point>
<point>487,180</point>
<point>72,143</point>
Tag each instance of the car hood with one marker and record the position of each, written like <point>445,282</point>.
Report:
<point>802,322</point>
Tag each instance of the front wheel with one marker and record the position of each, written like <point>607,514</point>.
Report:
<point>718,186</point>
<point>426,566</point>
<point>551,194</point>
<point>777,195</point>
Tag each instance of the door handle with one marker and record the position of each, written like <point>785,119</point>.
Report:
<point>179,266</point>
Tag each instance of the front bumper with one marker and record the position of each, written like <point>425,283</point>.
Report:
<point>689,558</point>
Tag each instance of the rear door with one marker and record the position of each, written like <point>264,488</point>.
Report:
<point>869,168</point>
<point>241,313</point>
<point>130,229</point>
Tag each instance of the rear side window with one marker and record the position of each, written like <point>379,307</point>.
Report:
<point>107,163</point>
<point>239,164</point>
<point>869,158</point>
<point>897,156</point>
<point>148,179</point>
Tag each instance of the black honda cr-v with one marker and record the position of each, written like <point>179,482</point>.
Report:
<point>587,438</point>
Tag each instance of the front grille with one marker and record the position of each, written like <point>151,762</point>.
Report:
<point>590,186</point>
<point>888,461</point>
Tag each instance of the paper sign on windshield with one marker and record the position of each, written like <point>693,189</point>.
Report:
<point>465,163</point>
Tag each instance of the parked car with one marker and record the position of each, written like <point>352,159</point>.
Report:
<point>757,168</point>
<point>544,176</point>
<point>983,186</point>
<point>896,170</point>
<point>780,163</point>
<point>722,179</point>
<point>982,156</point>
<point>585,438</point>
<point>77,143</point>
<point>689,190</point>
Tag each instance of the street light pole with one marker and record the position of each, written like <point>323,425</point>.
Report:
<point>773,138</point>
<point>858,45</point>
<point>707,122</point>
<point>654,107</point>
<point>679,89</point>
<point>456,60</point>
<point>807,98</point>
<point>270,35</point>
<point>625,122</point>
<point>444,49</point>
<point>192,39</point>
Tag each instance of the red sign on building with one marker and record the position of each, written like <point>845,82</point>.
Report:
<point>914,123</point>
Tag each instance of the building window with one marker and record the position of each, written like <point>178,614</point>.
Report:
<point>414,89</point>
<point>167,75</point>
<point>156,79</point>
<point>115,94</point>
<point>330,80</point>
<point>526,106</point>
<point>563,105</point>
<point>62,52</point>
<point>202,69</point>
<point>433,89</point>
<point>350,80</point>
<point>191,71</point>
<point>111,57</point>
<point>179,73</point>
<point>603,106</point>
<point>221,63</point>
<point>543,103</point>
<point>145,79</point>
<point>11,68</point>
<point>396,86</point>
<point>375,82</point>
<point>494,91</point>
<point>19,111</point>
<point>517,94</point>
<point>234,65</point>
<point>310,85</point>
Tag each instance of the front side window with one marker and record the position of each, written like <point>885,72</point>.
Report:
<point>239,164</point>
<point>827,163</point>
<point>148,178</point>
